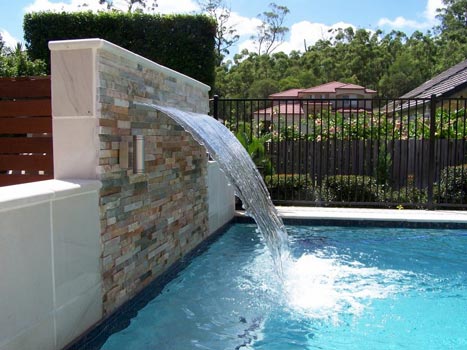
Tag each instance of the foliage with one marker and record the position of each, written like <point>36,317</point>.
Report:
<point>356,188</point>
<point>450,123</point>
<point>226,34</point>
<point>392,63</point>
<point>383,166</point>
<point>181,42</point>
<point>409,195</point>
<point>139,5</point>
<point>453,184</point>
<point>255,146</point>
<point>262,88</point>
<point>452,32</point>
<point>290,186</point>
<point>16,63</point>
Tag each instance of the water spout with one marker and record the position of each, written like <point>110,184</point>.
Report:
<point>239,168</point>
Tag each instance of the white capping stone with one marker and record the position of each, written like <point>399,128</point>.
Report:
<point>97,43</point>
<point>33,193</point>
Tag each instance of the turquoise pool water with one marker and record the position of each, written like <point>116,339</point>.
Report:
<point>343,288</point>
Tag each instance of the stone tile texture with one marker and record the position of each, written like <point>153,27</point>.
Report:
<point>150,220</point>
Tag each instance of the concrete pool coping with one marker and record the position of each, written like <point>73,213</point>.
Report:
<point>367,215</point>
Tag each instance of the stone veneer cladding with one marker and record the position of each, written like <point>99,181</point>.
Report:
<point>150,220</point>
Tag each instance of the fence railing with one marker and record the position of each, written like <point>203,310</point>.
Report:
<point>26,153</point>
<point>356,152</point>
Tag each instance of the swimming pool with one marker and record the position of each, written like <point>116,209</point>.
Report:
<point>344,288</point>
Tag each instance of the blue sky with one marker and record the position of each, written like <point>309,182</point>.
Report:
<point>308,19</point>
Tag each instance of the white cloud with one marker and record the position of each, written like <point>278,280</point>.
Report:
<point>68,6</point>
<point>8,39</point>
<point>178,6</point>
<point>401,22</point>
<point>243,25</point>
<point>428,18</point>
<point>311,33</point>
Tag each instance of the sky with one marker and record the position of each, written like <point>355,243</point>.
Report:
<point>308,20</point>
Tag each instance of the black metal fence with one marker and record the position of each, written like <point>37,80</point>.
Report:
<point>355,152</point>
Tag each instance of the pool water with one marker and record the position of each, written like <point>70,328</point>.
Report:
<point>343,288</point>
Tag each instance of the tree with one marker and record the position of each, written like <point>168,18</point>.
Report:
<point>452,33</point>
<point>16,63</point>
<point>140,5</point>
<point>453,18</point>
<point>226,34</point>
<point>2,44</point>
<point>402,76</point>
<point>272,31</point>
<point>263,88</point>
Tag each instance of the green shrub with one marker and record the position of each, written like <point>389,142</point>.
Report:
<point>453,184</point>
<point>290,186</point>
<point>353,188</point>
<point>406,195</point>
<point>184,43</point>
<point>257,151</point>
<point>16,63</point>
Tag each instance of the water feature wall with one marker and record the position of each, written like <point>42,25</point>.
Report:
<point>151,219</point>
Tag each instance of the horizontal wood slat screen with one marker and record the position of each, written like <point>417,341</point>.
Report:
<point>27,162</point>
<point>26,148</point>
<point>24,88</point>
<point>25,145</point>
<point>36,125</point>
<point>25,108</point>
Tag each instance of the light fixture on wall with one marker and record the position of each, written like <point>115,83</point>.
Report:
<point>138,154</point>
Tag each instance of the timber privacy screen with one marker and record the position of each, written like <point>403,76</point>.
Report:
<point>355,152</point>
<point>26,153</point>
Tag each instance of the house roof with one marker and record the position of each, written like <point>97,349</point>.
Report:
<point>443,84</point>
<point>330,87</point>
<point>282,109</point>
<point>292,93</point>
<point>333,86</point>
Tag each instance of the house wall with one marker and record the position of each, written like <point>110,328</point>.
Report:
<point>460,94</point>
<point>340,103</point>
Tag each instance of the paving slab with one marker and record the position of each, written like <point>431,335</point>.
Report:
<point>366,214</point>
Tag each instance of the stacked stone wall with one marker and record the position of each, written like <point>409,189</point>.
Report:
<point>149,220</point>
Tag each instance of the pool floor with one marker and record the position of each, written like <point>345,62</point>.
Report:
<point>342,288</point>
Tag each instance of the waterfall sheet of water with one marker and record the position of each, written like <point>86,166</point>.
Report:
<point>241,172</point>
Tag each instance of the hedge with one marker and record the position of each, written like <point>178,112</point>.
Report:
<point>184,43</point>
<point>354,188</point>
<point>290,186</point>
<point>453,184</point>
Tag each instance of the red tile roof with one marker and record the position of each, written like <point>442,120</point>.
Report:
<point>292,93</point>
<point>330,87</point>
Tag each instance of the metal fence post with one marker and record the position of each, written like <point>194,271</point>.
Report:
<point>431,152</point>
<point>215,105</point>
